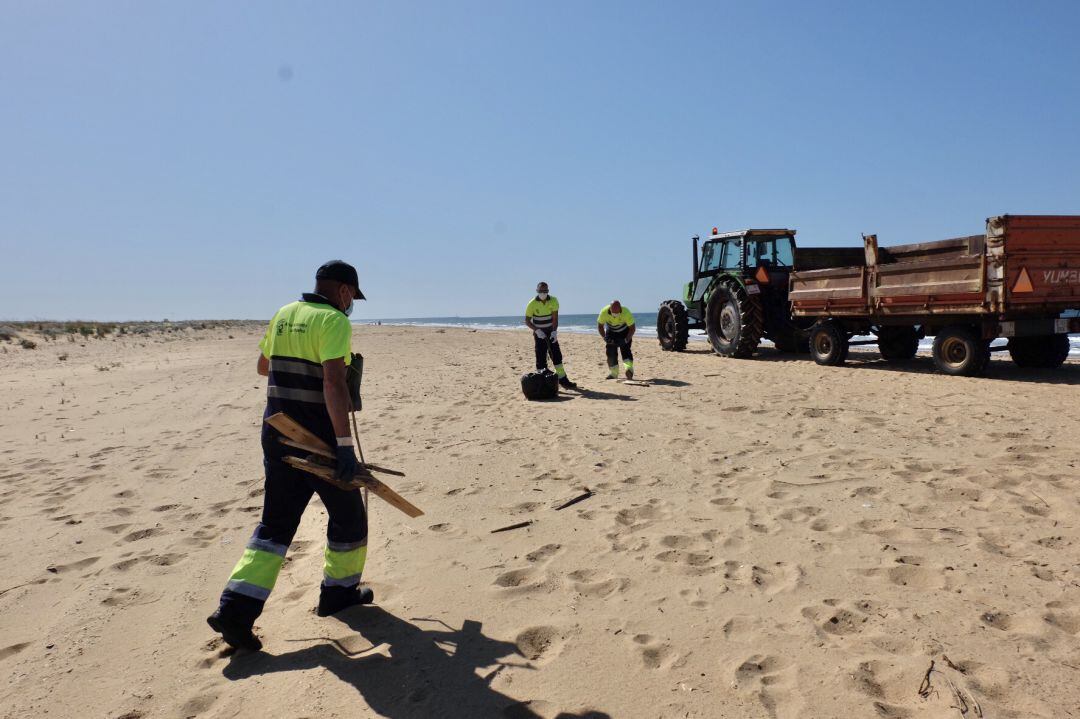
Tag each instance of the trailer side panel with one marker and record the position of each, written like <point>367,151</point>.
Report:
<point>1041,270</point>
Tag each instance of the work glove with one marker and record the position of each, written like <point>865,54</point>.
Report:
<point>541,334</point>
<point>347,464</point>
<point>554,336</point>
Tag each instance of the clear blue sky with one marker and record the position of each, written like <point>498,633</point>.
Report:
<point>200,160</point>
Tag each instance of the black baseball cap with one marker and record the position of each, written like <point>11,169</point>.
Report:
<point>343,272</point>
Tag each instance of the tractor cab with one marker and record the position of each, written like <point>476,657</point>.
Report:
<point>752,254</point>
<point>738,294</point>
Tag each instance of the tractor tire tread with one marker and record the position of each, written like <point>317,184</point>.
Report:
<point>682,324</point>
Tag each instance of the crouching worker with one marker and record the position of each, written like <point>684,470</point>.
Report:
<point>616,325</point>
<point>542,317</point>
<point>304,356</point>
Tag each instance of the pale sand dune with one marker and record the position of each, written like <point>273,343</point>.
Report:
<point>784,541</point>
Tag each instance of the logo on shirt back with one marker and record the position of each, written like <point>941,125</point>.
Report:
<point>284,326</point>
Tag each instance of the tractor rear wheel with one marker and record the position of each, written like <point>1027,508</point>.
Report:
<point>1045,352</point>
<point>733,320</point>
<point>829,343</point>
<point>898,344</point>
<point>672,326</point>
<point>960,350</point>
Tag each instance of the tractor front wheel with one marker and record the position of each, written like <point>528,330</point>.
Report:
<point>829,343</point>
<point>672,326</point>
<point>733,321</point>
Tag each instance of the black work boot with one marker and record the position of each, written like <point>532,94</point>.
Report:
<point>565,383</point>
<point>334,599</point>
<point>235,634</point>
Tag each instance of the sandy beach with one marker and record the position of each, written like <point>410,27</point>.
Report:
<point>766,538</point>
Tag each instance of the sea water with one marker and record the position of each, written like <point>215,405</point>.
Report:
<point>586,324</point>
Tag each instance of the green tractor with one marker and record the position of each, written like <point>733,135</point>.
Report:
<point>738,295</point>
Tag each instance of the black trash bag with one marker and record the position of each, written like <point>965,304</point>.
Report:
<point>540,385</point>
<point>354,374</point>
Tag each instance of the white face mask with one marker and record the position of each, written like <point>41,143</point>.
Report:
<point>348,310</point>
<point>542,295</point>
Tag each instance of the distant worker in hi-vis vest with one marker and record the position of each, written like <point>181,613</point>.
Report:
<point>616,325</point>
<point>542,317</point>
<point>304,355</point>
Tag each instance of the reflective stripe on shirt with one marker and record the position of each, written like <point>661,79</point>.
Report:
<point>300,395</point>
<point>279,364</point>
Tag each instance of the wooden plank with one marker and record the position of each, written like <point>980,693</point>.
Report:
<point>295,431</point>
<point>377,488</point>
<point>330,455</point>
<point>312,449</point>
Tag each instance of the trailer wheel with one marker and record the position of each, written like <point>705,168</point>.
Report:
<point>960,350</point>
<point>829,343</point>
<point>1045,352</point>
<point>733,320</point>
<point>898,344</point>
<point>672,326</point>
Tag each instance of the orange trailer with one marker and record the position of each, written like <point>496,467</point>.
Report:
<point>1020,280</point>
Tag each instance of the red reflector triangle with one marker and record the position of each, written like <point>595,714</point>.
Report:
<point>762,276</point>
<point>1023,282</point>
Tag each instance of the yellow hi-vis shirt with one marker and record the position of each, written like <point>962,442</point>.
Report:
<point>615,323</point>
<point>540,312</point>
<point>310,330</point>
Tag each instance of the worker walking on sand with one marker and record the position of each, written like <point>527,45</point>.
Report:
<point>616,325</point>
<point>542,317</point>
<point>304,356</point>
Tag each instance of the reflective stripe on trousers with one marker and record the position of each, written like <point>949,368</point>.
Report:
<point>344,563</point>
<point>257,571</point>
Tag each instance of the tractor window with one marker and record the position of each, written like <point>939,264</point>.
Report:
<point>771,253</point>
<point>785,253</point>
<point>756,252</point>
<point>710,256</point>
<point>731,255</point>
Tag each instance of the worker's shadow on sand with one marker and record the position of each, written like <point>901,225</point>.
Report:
<point>660,382</point>
<point>431,670</point>
<point>597,394</point>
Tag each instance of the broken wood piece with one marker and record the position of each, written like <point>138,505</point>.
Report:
<point>519,525</point>
<point>361,479</point>
<point>295,431</point>
<point>307,447</point>
<point>637,382</point>
<point>325,472</point>
<point>330,455</point>
<point>580,498</point>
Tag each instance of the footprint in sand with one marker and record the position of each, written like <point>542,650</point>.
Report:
<point>516,578</point>
<point>835,620</point>
<point>770,579</point>
<point>544,553</point>
<point>597,583</point>
<point>768,679</point>
<point>540,644</point>
<point>655,654</point>
<point>143,534</point>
